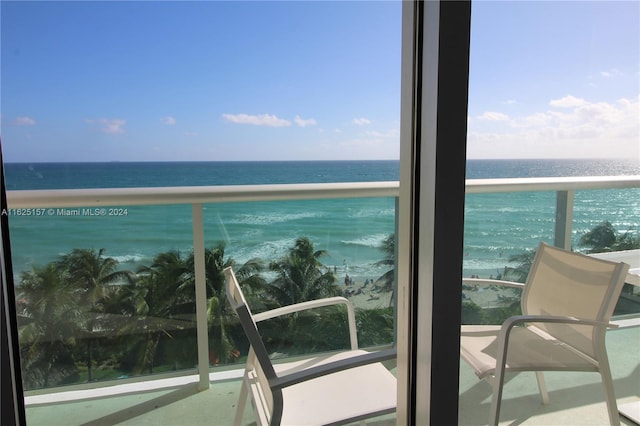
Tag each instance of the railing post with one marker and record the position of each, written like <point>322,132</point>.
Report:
<point>564,219</point>
<point>201,297</point>
<point>396,232</point>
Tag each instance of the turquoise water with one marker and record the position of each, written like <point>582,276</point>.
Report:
<point>496,225</point>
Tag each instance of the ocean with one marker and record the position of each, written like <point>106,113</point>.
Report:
<point>351,231</point>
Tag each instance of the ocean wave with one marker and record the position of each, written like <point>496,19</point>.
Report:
<point>267,250</point>
<point>490,248</point>
<point>493,265</point>
<point>374,241</point>
<point>365,213</point>
<point>130,258</point>
<point>272,218</point>
<point>512,209</point>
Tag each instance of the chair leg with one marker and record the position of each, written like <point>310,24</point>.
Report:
<point>496,400</point>
<point>242,402</point>
<point>609,393</point>
<point>542,385</point>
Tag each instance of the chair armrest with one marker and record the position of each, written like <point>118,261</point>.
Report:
<point>312,304</point>
<point>487,281</point>
<point>332,367</point>
<point>521,319</point>
<point>511,322</point>
<point>503,341</point>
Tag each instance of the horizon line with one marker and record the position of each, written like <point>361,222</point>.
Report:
<point>625,159</point>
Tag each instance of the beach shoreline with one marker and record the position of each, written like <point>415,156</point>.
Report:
<point>372,300</point>
<point>369,297</point>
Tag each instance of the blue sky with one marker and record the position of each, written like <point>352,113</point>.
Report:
<point>209,80</point>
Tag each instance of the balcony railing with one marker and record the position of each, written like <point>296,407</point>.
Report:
<point>198,196</point>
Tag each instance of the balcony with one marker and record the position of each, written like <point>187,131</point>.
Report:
<point>576,398</point>
<point>204,395</point>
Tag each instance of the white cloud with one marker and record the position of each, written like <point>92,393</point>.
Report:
<point>169,121</point>
<point>24,121</point>
<point>581,129</point>
<point>394,133</point>
<point>361,121</point>
<point>110,126</point>
<point>536,119</point>
<point>493,116</point>
<point>610,73</point>
<point>302,122</point>
<point>257,120</point>
<point>567,102</point>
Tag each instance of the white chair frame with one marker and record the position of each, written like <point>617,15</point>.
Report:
<point>596,361</point>
<point>266,383</point>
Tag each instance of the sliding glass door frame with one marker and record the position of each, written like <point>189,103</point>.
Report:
<point>13,411</point>
<point>434,99</point>
<point>435,71</point>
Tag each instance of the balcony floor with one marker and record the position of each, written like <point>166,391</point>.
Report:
<point>576,398</point>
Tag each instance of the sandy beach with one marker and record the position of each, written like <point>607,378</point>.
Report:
<point>371,299</point>
<point>492,296</point>
<point>486,297</point>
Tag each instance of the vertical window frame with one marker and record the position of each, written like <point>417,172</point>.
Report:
<point>434,96</point>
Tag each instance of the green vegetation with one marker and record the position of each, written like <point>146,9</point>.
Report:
<point>82,319</point>
<point>300,276</point>
<point>604,238</point>
<point>475,314</point>
<point>388,247</point>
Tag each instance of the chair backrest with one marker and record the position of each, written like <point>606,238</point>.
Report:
<point>264,367</point>
<point>563,283</point>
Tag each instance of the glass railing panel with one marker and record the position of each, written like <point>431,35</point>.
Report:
<point>103,293</point>
<point>500,226</point>
<point>502,231</point>
<point>293,251</point>
<point>609,221</point>
<point>618,207</point>
<point>109,292</point>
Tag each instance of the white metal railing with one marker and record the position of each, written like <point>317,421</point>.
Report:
<point>476,186</point>
<point>199,195</point>
<point>565,188</point>
<point>196,194</point>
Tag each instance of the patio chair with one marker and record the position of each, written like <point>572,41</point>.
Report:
<point>331,389</point>
<point>567,302</point>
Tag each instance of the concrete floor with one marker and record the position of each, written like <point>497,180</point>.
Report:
<point>576,398</point>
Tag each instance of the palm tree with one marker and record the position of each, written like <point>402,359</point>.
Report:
<point>160,295</point>
<point>92,272</point>
<point>521,271</point>
<point>163,296</point>
<point>48,311</point>
<point>135,301</point>
<point>301,276</point>
<point>93,275</point>
<point>172,275</point>
<point>604,237</point>
<point>218,309</point>
<point>601,238</point>
<point>388,247</point>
